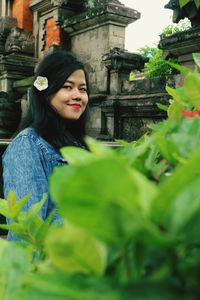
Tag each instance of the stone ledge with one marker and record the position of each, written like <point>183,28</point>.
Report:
<point>124,98</point>
<point>181,43</point>
<point>108,12</point>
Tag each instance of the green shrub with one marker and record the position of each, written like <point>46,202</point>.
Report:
<point>158,66</point>
<point>131,218</point>
<point>175,28</point>
<point>148,51</point>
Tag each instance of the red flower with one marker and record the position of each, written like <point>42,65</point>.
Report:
<point>191,114</point>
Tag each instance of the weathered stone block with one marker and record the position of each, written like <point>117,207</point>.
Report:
<point>181,45</point>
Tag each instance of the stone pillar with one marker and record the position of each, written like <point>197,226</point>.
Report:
<point>5,8</point>
<point>48,16</point>
<point>94,32</point>
<point>16,53</point>
<point>16,62</point>
<point>120,63</point>
<point>13,66</point>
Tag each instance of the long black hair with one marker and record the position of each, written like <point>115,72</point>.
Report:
<point>59,132</point>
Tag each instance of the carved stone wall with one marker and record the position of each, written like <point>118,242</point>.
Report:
<point>128,114</point>
<point>94,32</point>
<point>54,11</point>
<point>181,46</point>
<point>21,11</point>
<point>6,24</point>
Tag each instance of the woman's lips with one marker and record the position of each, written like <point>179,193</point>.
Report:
<point>75,106</point>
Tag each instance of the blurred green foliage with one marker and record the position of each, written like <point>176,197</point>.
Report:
<point>158,66</point>
<point>131,218</point>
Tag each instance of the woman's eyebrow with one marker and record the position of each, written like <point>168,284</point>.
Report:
<point>72,82</point>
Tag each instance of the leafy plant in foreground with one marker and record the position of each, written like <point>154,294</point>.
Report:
<point>130,230</point>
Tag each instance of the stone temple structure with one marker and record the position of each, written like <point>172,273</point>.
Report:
<point>182,45</point>
<point>94,31</point>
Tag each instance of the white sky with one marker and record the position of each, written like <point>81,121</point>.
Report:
<point>146,30</point>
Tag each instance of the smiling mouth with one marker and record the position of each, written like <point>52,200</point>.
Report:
<point>75,106</point>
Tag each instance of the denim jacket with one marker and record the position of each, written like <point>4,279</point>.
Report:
<point>27,163</point>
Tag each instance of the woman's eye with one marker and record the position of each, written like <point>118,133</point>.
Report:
<point>68,87</point>
<point>83,90</point>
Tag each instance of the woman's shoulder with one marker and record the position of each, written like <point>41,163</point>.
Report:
<point>22,141</point>
<point>24,137</point>
<point>29,141</point>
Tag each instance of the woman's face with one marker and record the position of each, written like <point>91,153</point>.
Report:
<point>71,100</point>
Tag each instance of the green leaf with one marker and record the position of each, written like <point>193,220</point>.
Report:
<point>75,155</point>
<point>54,285</point>
<point>29,226</point>
<point>132,76</point>
<point>91,200</point>
<point>196,56</point>
<point>163,141</point>
<point>15,206</point>
<point>185,222</point>
<point>175,111</point>
<point>3,245</point>
<point>192,89</point>
<point>4,208</point>
<point>172,188</point>
<point>97,147</point>
<point>13,270</point>
<point>180,68</point>
<point>197,2</point>
<point>177,106</point>
<point>35,208</point>
<point>162,107</point>
<point>73,250</point>
<point>183,2</point>
<point>186,136</point>
<point>43,230</point>
<point>122,142</point>
<point>175,93</point>
<point>16,228</point>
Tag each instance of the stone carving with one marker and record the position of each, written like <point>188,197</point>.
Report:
<point>117,58</point>
<point>6,23</point>
<point>20,40</point>
<point>189,11</point>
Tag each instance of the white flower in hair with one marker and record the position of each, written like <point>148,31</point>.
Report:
<point>41,83</point>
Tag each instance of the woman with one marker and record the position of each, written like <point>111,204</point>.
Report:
<point>55,118</point>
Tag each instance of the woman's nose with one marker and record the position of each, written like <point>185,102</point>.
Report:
<point>76,94</point>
